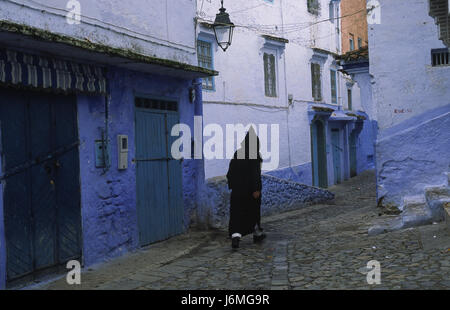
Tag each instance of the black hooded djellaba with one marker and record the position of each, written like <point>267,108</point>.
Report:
<point>244,178</point>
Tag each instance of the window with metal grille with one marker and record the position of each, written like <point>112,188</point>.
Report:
<point>270,79</point>
<point>313,6</point>
<point>333,80</point>
<point>316,82</point>
<point>205,60</point>
<point>155,104</point>
<point>359,43</point>
<point>440,57</point>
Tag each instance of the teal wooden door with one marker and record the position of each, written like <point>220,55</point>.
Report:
<point>335,143</point>
<point>353,160</point>
<point>319,154</point>
<point>159,191</point>
<point>42,189</point>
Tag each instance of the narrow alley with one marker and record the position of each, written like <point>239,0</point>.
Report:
<point>318,247</point>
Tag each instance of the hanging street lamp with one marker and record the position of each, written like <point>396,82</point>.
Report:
<point>223,29</point>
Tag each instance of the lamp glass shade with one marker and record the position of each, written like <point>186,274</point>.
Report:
<point>224,35</point>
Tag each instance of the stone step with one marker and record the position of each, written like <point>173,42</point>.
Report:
<point>416,214</point>
<point>412,201</point>
<point>447,213</point>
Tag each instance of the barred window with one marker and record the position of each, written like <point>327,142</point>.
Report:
<point>205,60</point>
<point>440,57</point>
<point>270,79</point>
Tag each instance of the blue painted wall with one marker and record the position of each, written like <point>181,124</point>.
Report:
<point>411,158</point>
<point>278,195</point>
<point>109,200</point>
<point>300,174</point>
<point>366,146</point>
<point>411,99</point>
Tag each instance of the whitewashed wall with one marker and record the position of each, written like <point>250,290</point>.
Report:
<point>400,54</point>
<point>241,78</point>
<point>163,28</point>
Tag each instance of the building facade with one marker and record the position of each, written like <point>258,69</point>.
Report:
<point>411,96</point>
<point>354,25</point>
<point>89,93</point>
<point>282,69</point>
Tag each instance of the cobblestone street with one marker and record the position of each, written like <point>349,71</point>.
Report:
<point>317,247</point>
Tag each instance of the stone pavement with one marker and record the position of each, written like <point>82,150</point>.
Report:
<point>317,247</point>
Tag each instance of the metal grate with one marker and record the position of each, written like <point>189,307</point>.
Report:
<point>440,57</point>
<point>155,104</point>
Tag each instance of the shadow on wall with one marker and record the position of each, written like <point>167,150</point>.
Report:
<point>278,196</point>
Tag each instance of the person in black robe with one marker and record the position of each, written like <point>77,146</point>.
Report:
<point>244,180</point>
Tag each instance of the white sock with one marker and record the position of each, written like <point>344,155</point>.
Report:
<point>236,235</point>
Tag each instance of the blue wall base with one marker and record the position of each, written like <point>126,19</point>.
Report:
<point>278,195</point>
<point>412,156</point>
<point>300,174</point>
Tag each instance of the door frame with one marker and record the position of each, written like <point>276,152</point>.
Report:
<point>319,160</point>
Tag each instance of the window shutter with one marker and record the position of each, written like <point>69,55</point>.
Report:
<point>266,73</point>
<point>333,86</point>
<point>316,84</point>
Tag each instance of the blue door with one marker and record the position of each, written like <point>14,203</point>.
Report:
<point>41,175</point>
<point>353,160</point>
<point>335,143</point>
<point>159,191</point>
<point>319,154</point>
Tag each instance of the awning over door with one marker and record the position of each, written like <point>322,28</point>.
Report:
<point>32,71</point>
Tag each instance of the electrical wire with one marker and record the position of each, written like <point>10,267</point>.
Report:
<point>273,29</point>
<point>290,27</point>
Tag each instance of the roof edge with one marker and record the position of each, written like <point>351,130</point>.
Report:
<point>45,35</point>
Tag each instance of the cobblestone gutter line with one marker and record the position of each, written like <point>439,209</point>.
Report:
<point>280,280</point>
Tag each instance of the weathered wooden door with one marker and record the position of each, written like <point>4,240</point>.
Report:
<point>159,191</point>
<point>353,160</point>
<point>41,173</point>
<point>335,143</point>
<point>319,154</point>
